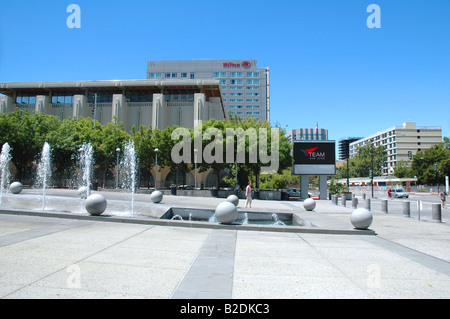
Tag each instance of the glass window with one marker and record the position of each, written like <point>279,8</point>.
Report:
<point>192,75</point>
<point>184,75</point>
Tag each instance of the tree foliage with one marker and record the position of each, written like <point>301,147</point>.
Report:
<point>433,164</point>
<point>27,132</point>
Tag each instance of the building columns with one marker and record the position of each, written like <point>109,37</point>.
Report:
<point>80,106</point>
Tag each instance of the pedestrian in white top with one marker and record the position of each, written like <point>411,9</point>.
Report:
<point>248,194</point>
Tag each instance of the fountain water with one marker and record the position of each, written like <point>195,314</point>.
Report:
<point>245,221</point>
<point>86,160</point>
<point>129,164</point>
<point>5,158</point>
<point>44,171</point>
<point>277,221</point>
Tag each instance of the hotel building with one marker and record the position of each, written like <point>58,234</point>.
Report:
<point>245,87</point>
<point>401,142</point>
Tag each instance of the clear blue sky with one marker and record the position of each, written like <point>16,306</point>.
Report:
<point>326,65</point>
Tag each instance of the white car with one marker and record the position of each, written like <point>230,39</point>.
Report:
<point>399,193</point>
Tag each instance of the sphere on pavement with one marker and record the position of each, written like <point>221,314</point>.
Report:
<point>309,204</point>
<point>96,204</point>
<point>233,199</point>
<point>156,196</point>
<point>16,187</point>
<point>226,212</point>
<point>361,218</point>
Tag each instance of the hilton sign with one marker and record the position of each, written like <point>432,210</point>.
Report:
<point>243,64</point>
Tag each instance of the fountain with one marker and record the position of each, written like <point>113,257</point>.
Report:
<point>277,221</point>
<point>86,160</point>
<point>44,171</point>
<point>5,158</point>
<point>129,164</point>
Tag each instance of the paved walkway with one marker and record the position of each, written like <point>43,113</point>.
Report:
<point>45,257</point>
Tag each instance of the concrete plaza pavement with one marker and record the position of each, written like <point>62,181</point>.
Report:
<point>50,257</point>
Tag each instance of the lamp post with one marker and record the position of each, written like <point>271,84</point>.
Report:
<point>156,166</point>
<point>117,168</point>
<point>437,176</point>
<point>371,160</point>
<point>195,163</point>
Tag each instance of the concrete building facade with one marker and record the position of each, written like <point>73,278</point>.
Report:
<point>401,142</point>
<point>151,103</point>
<point>245,87</point>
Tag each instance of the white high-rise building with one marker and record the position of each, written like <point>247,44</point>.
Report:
<point>401,142</point>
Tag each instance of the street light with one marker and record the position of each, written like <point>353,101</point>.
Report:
<point>195,163</point>
<point>156,166</point>
<point>117,168</point>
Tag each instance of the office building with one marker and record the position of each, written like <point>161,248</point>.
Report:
<point>308,134</point>
<point>245,87</point>
<point>344,147</point>
<point>401,142</point>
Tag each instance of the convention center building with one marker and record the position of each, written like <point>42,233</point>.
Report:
<point>153,103</point>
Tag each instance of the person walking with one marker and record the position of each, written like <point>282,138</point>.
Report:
<point>248,194</point>
<point>443,196</point>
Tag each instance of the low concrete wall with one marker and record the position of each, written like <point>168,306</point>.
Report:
<point>263,194</point>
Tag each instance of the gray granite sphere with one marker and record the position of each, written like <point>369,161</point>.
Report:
<point>361,218</point>
<point>16,187</point>
<point>226,212</point>
<point>96,204</point>
<point>233,199</point>
<point>309,204</point>
<point>156,196</point>
<point>82,192</point>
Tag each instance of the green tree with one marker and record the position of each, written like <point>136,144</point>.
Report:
<point>368,157</point>
<point>425,161</point>
<point>403,170</point>
<point>26,133</point>
<point>145,143</point>
<point>105,140</point>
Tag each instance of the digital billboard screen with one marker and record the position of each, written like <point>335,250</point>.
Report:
<point>314,152</point>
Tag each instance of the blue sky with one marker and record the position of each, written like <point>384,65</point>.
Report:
<point>326,65</point>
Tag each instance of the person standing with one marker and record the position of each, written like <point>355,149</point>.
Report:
<point>237,189</point>
<point>443,196</point>
<point>248,194</point>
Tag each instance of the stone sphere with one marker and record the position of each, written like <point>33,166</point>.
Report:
<point>16,187</point>
<point>361,218</point>
<point>96,204</point>
<point>82,192</point>
<point>156,196</point>
<point>233,199</point>
<point>309,204</point>
<point>226,212</point>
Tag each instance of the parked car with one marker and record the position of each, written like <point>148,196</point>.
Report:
<point>399,193</point>
<point>292,193</point>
